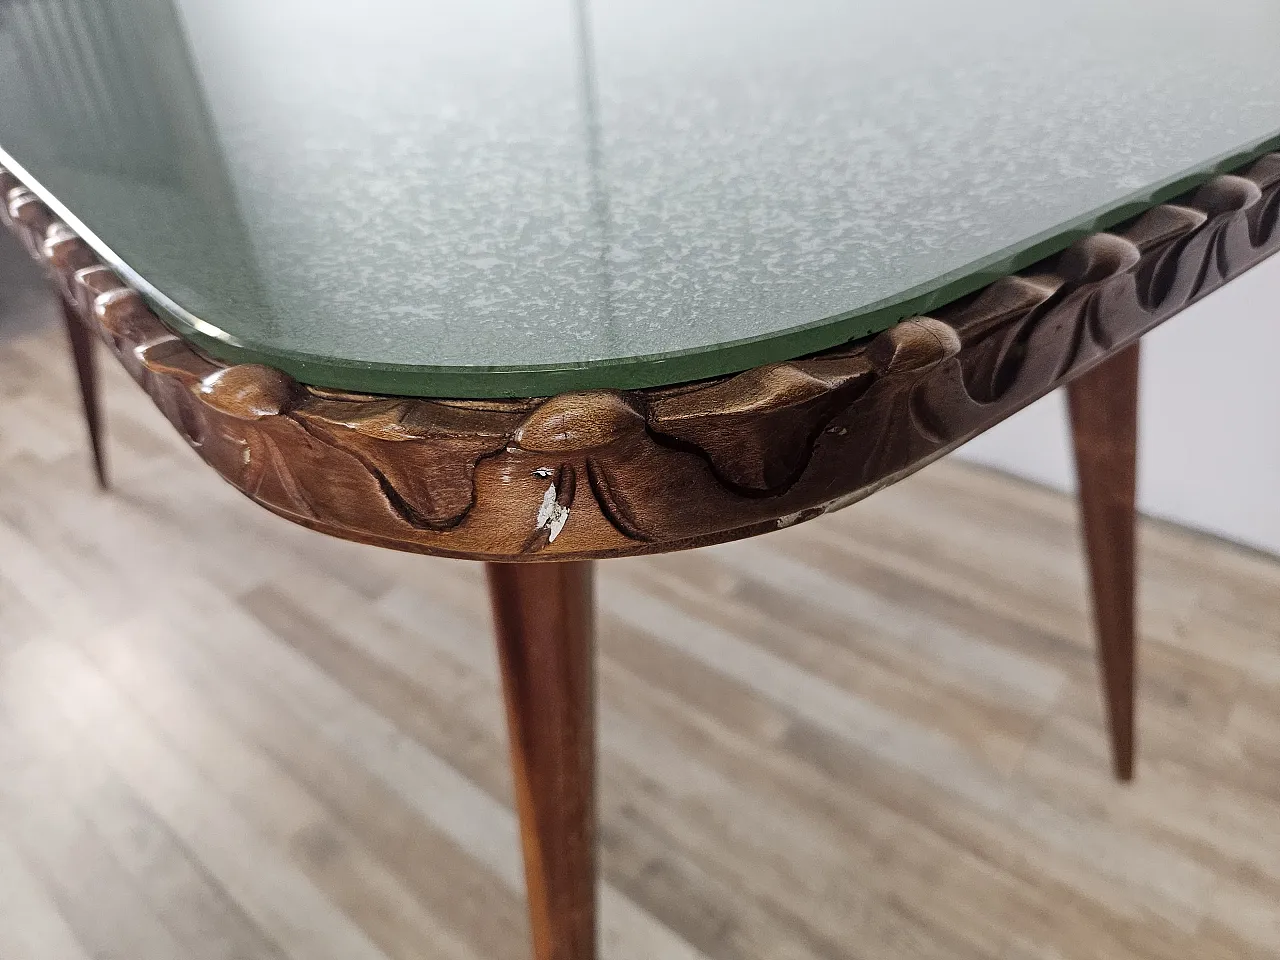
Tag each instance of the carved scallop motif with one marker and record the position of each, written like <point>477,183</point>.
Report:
<point>607,473</point>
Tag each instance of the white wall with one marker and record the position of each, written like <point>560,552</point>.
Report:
<point>1210,426</point>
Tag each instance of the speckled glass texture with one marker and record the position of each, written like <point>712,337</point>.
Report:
<point>519,197</point>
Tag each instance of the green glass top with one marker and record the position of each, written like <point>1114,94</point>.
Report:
<point>518,197</point>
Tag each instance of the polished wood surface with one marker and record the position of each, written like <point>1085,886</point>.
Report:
<point>606,473</point>
<point>1103,408</point>
<point>874,736</point>
<point>544,618</point>
<point>80,340</point>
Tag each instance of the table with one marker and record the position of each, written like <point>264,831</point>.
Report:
<point>558,282</point>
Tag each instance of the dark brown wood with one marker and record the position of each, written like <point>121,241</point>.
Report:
<point>610,473</point>
<point>1104,426</point>
<point>86,365</point>
<point>544,617</point>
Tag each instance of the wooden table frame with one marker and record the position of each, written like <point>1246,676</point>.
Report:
<point>605,473</point>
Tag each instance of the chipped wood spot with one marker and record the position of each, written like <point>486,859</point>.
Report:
<point>552,515</point>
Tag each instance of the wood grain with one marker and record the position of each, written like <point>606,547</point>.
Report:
<point>282,746</point>
<point>607,473</point>
<point>544,616</point>
<point>1104,429</point>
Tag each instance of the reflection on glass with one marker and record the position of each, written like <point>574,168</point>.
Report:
<point>595,156</point>
<point>512,197</point>
<point>104,102</point>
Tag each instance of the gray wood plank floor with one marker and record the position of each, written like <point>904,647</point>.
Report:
<point>877,735</point>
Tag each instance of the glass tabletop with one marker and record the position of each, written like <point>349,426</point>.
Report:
<point>520,197</point>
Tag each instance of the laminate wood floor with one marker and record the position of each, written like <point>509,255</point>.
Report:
<point>877,735</point>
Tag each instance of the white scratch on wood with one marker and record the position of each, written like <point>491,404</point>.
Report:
<point>790,519</point>
<point>551,515</point>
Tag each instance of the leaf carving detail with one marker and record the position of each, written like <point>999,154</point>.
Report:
<point>673,466</point>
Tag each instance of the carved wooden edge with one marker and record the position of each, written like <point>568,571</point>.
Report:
<point>609,473</point>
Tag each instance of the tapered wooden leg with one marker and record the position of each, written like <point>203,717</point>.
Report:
<point>87,373</point>
<point>1104,424</point>
<point>544,617</point>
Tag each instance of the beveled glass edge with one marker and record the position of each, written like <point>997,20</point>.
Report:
<point>476,382</point>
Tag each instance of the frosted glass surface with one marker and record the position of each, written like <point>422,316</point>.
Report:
<point>514,197</point>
